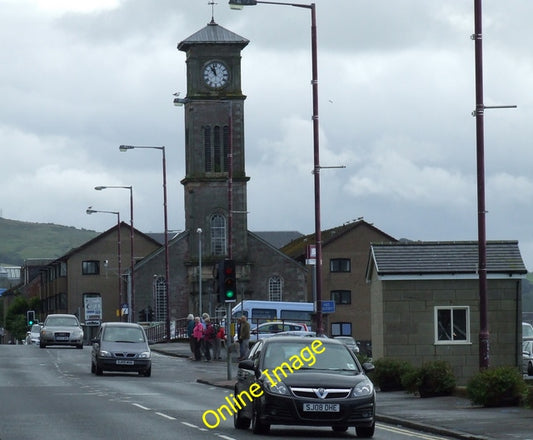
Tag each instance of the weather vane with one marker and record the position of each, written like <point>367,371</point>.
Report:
<point>212,3</point>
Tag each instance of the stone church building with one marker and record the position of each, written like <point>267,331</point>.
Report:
<point>215,192</point>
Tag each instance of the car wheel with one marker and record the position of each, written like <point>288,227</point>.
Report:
<point>365,431</point>
<point>41,345</point>
<point>240,422</point>
<point>93,368</point>
<point>339,428</point>
<point>98,370</point>
<point>530,369</point>
<point>259,427</point>
<point>79,346</point>
<point>146,373</point>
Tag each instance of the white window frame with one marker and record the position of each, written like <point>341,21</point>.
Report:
<point>275,288</point>
<point>467,340</point>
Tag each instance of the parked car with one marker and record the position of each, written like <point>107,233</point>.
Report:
<point>349,342</point>
<point>269,329</point>
<point>323,387</point>
<point>121,346</point>
<point>61,329</point>
<point>527,330</point>
<point>527,357</point>
<point>35,334</point>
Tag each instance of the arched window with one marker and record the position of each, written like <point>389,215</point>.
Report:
<point>218,235</point>
<point>275,288</point>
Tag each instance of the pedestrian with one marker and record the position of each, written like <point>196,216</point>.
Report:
<point>209,338</point>
<point>190,328</point>
<point>220,337</point>
<point>198,334</point>
<point>244,337</point>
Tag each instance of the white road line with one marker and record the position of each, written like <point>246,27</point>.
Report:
<point>140,406</point>
<point>165,416</point>
<point>190,425</point>
<point>225,437</point>
<point>398,430</point>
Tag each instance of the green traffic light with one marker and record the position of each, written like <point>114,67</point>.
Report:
<point>230,294</point>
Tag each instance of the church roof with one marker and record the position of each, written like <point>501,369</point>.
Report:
<point>213,33</point>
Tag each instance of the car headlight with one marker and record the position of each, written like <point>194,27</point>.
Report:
<point>104,353</point>
<point>279,388</point>
<point>144,355</point>
<point>363,388</point>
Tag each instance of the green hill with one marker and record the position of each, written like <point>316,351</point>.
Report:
<point>22,240</point>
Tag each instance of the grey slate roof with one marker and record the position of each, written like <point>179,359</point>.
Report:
<point>278,239</point>
<point>457,257</point>
<point>213,34</point>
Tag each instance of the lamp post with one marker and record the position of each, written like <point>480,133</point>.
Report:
<point>131,292</point>
<point>239,4</point>
<point>124,148</point>
<point>117,213</point>
<point>199,231</point>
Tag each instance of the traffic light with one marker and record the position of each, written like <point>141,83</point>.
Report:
<point>30,317</point>
<point>228,281</point>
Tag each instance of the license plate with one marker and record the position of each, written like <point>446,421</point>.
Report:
<point>61,338</point>
<point>321,407</point>
<point>121,362</point>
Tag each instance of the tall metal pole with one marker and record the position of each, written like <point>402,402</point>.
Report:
<point>199,231</point>
<point>480,148</point>
<point>167,271</point>
<point>316,145</point>
<point>131,316</point>
<point>316,170</point>
<point>125,148</point>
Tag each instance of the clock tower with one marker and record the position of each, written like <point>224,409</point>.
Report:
<point>215,179</point>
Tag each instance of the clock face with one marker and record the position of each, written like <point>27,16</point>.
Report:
<point>216,74</point>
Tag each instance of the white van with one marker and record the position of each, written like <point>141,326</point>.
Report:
<point>262,311</point>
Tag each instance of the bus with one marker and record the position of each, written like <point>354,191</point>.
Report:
<point>262,311</point>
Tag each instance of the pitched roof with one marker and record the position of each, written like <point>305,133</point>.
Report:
<point>278,239</point>
<point>297,248</point>
<point>450,258</point>
<point>213,34</point>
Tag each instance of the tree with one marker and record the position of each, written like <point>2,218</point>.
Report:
<point>16,318</point>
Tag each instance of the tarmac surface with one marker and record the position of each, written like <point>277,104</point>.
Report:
<point>451,416</point>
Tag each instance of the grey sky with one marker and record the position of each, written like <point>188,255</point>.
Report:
<point>396,86</point>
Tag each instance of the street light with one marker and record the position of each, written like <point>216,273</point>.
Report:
<point>239,4</point>
<point>131,293</point>
<point>90,211</point>
<point>199,231</point>
<point>124,148</point>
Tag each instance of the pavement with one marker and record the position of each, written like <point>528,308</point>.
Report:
<point>453,416</point>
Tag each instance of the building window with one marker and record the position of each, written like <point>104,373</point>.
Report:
<point>341,329</point>
<point>275,288</point>
<point>341,296</point>
<point>218,235</point>
<point>216,148</point>
<point>452,325</point>
<point>90,267</point>
<point>340,265</point>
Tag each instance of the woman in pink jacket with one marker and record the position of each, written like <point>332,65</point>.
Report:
<point>198,334</point>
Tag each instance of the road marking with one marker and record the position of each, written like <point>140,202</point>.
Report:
<point>165,416</point>
<point>190,425</point>
<point>225,437</point>
<point>398,430</point>
<point>140,406</point>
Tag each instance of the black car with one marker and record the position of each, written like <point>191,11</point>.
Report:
<point>121,346</point>
<point>304,381</point>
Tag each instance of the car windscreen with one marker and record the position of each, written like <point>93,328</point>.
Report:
<point>334,357</point>
<point>123,334</point>
<point>61,321</point>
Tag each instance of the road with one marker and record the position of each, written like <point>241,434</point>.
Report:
<point>50,394</point>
